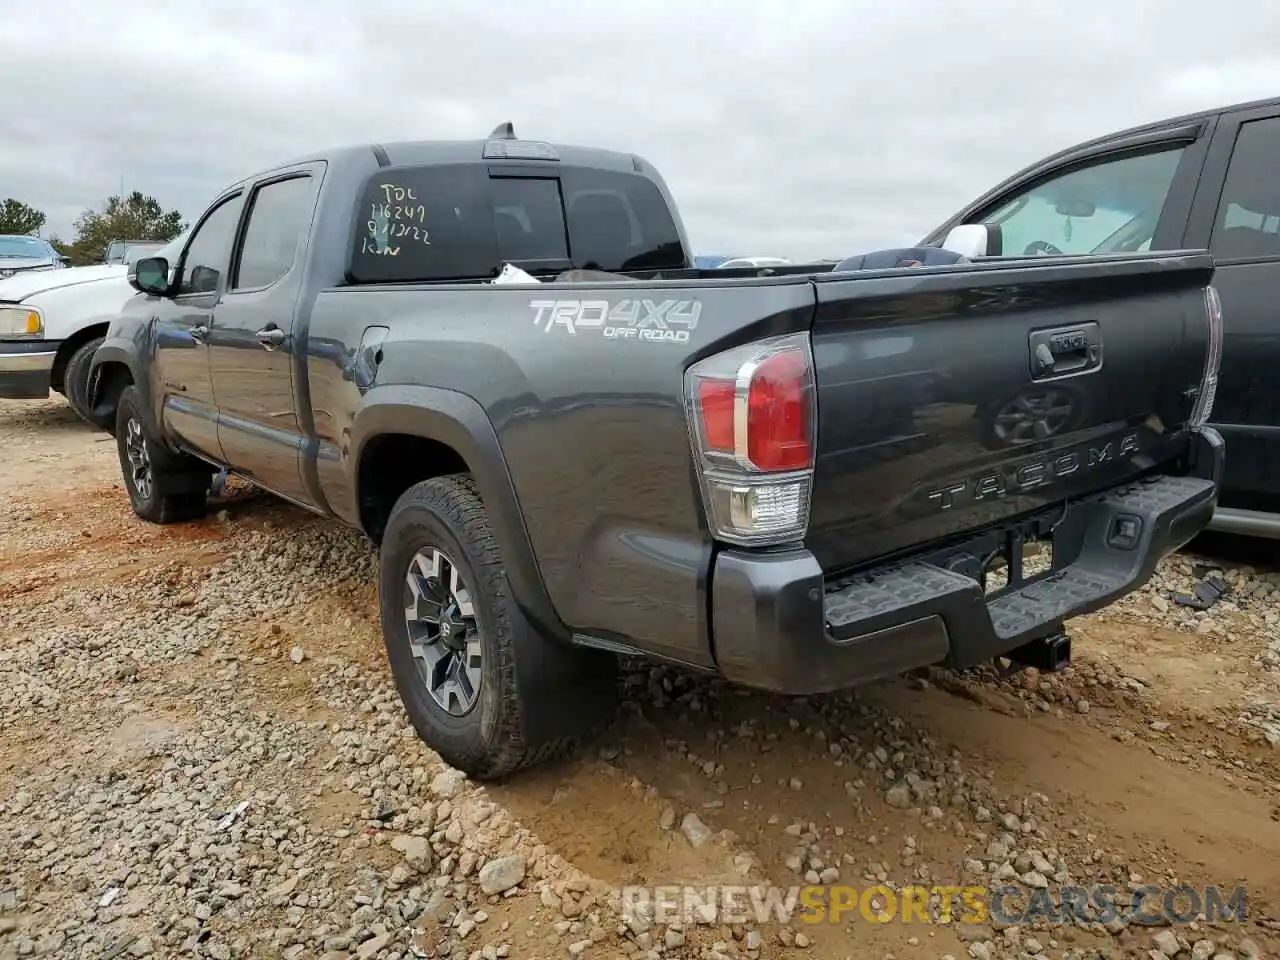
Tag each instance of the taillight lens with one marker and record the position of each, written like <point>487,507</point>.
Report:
<point>778,408</point>
<point>1209,381</point>
<point>752,415</point>
<point>716,400</point>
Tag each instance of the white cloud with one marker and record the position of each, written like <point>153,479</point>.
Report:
<point>806,129</point>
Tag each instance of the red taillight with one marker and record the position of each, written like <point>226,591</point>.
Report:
<point>715,400</point>
<point>757,411</point>
<point>778,435</point>
<point>752,414</point>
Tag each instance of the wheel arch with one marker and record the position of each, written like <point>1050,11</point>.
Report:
<point>69,346</point>
<point>114,367</point>
<point>404,434</point>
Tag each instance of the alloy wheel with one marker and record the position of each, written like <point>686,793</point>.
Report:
<point>135,446</point>
<point>443,635</point>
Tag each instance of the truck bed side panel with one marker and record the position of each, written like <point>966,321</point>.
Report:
<point>933,420</point>
<point>589,411</point>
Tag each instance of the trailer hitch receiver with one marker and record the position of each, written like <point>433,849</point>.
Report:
<point>1047,654</point>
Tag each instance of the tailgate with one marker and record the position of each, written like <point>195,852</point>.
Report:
<point>957,398</point>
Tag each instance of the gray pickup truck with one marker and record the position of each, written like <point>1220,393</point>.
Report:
<point>798,478</point>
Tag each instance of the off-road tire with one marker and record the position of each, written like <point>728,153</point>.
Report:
<point>75,384</point>
<point>179,487</point>
<point>536,694</point>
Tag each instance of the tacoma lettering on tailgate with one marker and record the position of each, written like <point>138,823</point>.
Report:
<point>1032,473</point>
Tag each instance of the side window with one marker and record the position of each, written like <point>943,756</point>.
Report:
<point>278,219</point>
<point>210,249</point>
<point>1109,207</point>
<point>529,218</point>
<point>1248,220</point>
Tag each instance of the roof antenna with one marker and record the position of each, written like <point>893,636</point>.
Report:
<point>503,131</point>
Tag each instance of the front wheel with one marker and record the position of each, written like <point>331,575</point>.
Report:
<point>481,686</point>
<point>163,487</point>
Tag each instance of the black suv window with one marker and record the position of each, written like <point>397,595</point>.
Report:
<point>1248,222</point>
<point>1111,206</point>
<point>278,219</point>
<point>209,251</point>
<point>456,222</point>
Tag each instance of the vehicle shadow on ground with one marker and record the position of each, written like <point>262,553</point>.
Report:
<point>250,503</point>
<point>46,415</point>
<point>1214,546</point>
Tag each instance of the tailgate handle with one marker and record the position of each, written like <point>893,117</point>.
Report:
<point>1065,351</point>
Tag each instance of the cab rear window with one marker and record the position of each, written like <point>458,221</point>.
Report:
<point>462,222</point>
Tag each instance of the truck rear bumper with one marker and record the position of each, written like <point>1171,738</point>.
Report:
<point>25,366</point>
<point>780,624</point>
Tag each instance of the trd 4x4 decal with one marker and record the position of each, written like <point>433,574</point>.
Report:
<point>663,321</point>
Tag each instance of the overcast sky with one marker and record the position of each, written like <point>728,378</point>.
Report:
<point>805,129</point>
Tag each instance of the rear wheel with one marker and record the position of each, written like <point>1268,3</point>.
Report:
<point>75,383</point>
<point>163,487</point>
<point>480,685</point>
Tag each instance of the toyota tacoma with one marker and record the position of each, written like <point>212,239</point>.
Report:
<point>798,478</point>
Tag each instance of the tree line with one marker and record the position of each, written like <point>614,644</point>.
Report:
<point>133,217</point>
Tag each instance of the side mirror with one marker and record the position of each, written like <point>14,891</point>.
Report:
<point>150,275</point>
<point>973,240</point>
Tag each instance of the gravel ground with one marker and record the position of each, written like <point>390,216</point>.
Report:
<point>201,754</point>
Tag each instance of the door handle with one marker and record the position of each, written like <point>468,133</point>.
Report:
<point>1065,351</point>
<point>198,333</point>
<point>271,337</point>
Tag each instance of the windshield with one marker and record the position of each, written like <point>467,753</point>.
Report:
<point>31,247</point>
<point>130,251</point>
<point>171,251</point>
<point>134,252</point>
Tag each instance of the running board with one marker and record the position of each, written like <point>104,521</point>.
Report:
<point>1246,523</point>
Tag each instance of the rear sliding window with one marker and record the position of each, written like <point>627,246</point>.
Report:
<point>459,222</point>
